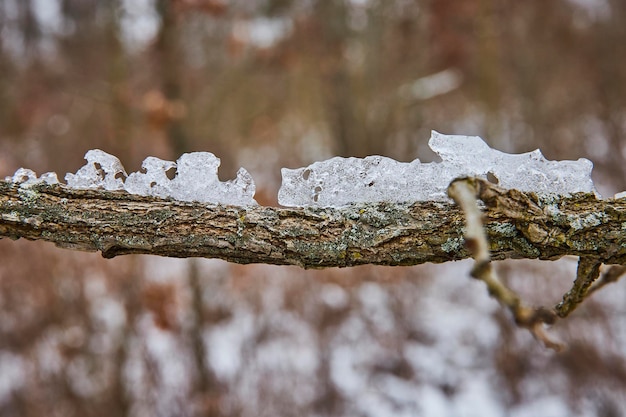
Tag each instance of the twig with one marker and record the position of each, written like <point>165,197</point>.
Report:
<point>464,192</point>
<point>614,273</point>
<point>587,272</point>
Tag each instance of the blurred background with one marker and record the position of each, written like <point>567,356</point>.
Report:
<point>266,84</point>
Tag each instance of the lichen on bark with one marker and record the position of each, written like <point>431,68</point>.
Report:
<point>518,225</point>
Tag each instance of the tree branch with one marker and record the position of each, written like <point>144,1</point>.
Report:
<point>464,192</point>
<point>613,274</point>
<point>587,273</point>
<point>518,225</point>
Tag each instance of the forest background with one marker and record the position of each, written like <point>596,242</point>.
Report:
<point>283,83</point>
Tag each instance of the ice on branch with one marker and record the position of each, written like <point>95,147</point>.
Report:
<point>102,170</point>
<point>154,181</point>
<point>341,181</point>
<point>27,177</point>
<point>335,182</point>
<point>196,180</point>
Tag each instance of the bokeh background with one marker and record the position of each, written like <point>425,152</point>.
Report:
<point>266,84</point>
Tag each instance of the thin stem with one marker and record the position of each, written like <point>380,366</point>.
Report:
<point>587,272</point>
<point>464,192</point>
<point>614,273</point>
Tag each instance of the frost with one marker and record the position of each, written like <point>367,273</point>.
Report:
<point>196,180</point>
<point>27,177</point>
<point>341,181</point>
<point>101,171</point>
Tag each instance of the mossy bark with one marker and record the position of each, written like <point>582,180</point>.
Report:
<point>518,225</point>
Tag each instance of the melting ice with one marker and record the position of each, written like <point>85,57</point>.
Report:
<point>335,182</point>
<point>196,180</point>
<point>101,171</point>
<point>341,181</point>
<point>26,177</point>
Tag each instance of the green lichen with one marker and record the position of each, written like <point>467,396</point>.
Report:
<point>12,216</point>
<point>28,195</point>
<point>159,216</point>
<point>503,229</point>
<point>453,244</point>
<point>241,224</point>
<point>585,221</point>
<point>584,245</point>
<point>524,246</point>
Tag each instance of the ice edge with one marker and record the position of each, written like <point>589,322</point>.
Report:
<point>195,180</point>
<point>334,182</point>
<point>341,181</point>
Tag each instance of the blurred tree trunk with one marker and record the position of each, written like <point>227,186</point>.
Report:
<point>168,53</point>
<point>30,28</point>
<point>120,91</point>
<point>168,57</point>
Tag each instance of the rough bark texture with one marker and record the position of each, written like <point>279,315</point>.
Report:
<point>518,225</point>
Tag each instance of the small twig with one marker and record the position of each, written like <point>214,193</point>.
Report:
<point>614,273</point>
<point>587,272</point>
<point>464,192</point>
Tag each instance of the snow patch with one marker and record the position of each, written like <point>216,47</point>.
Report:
<point>13,375</point>
<point>225,344</point>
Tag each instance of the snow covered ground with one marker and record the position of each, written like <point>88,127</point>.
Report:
<point>424,341</point>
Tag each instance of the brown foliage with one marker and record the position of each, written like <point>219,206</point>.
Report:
<point>80,335</point>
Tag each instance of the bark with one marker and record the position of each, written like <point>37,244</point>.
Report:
<point>518,225</point>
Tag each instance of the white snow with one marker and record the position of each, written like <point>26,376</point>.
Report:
<point>341,181</point>
<point>548,406</point>
<point>226,342</point>
<point>333,296</point>
<point>13,375</point>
